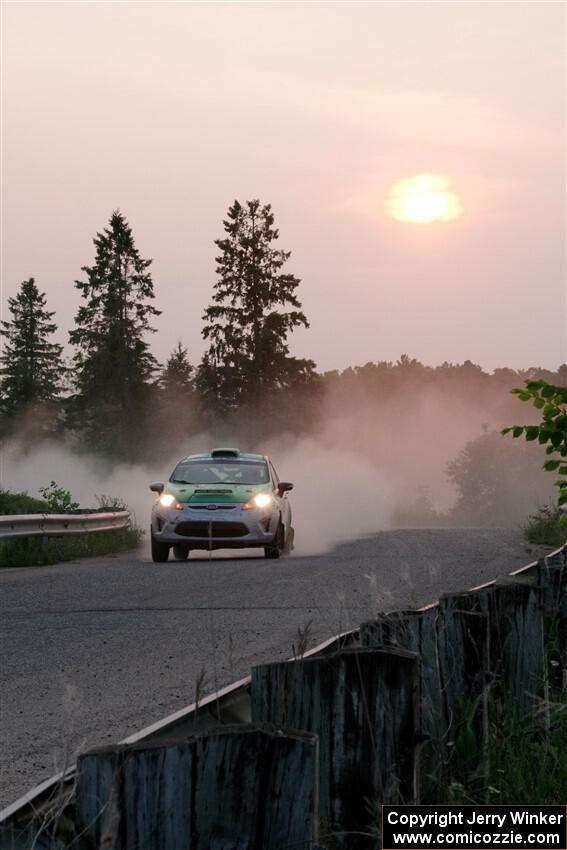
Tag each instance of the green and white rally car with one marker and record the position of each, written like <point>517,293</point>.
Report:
<point>226,499</point>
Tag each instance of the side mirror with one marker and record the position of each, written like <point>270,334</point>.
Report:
<point>283,487</point>
<point>158,487</point>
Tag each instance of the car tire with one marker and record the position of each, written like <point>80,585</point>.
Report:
<point>181,552</point>
<point>160,551</point>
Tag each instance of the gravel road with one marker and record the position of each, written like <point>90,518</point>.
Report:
<point>97,649</point>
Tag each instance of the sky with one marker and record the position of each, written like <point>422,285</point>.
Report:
<point>170,111</point>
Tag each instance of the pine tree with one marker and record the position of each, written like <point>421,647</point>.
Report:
<point>176,379</point>
<point>114,365</point>
<point>247,324</point>
<point>176,403</point>
<point>31,367</point>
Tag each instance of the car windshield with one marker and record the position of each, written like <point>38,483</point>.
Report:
<point>221,472</point>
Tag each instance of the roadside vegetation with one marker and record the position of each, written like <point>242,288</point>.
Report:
<point>545,527</point>
<point>527,761</point>
<point>21,503</point>
<point>34,552</point>
<point>530,766</point>
<point>549,524</point>
<point>29,552</point>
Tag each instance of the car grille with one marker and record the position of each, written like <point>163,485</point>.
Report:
<point>211,529</point>
<point>218,506</point>
<point>212,492</point>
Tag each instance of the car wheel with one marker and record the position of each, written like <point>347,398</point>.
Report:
<point>160,551</point>
<point>181,552</point>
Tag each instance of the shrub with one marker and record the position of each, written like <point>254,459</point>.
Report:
<point>110,503</point>
<point>20,503</point>
<point>545,527</point>
<point>58,499</point>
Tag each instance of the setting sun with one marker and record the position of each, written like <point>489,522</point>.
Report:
<point>422,199</point>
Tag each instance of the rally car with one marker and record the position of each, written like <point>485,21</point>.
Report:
<point>226,499</point>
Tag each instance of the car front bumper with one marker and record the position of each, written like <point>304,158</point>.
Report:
<point>228,527</point>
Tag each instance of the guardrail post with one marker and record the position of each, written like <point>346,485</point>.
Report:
<point>490,653</point>
<point>463,664</point>
<point>514,608</point>
<point>416,631</point>
<point>517,643</point>
<point>552,579</point>
<point>362,703</point>
<point>242,787</point>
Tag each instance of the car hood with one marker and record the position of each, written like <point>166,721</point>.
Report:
<point>215,493</point>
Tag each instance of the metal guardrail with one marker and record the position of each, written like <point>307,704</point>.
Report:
<point>60,525</point>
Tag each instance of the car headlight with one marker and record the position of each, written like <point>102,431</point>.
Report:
<point>260,500</point>
<point>167,500</point>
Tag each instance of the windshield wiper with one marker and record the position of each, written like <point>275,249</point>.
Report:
<point>180,481</point>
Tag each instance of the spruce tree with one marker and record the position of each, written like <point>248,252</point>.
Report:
<point>247,324</point>
<point>176,380</point>
<point>31,367</point>
<point>177,407</point>
<point>114,365</point>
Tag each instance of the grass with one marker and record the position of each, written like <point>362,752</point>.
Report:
<point>544,527</point>
<point>527,765</point>
<point>532,771</point>
<point>29,552</point>
<point>21,503</point>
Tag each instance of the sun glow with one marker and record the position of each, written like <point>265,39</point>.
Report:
<point>422,199</point>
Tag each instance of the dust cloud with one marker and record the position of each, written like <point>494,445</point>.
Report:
<point>353,474</point>
<point>336,496</point>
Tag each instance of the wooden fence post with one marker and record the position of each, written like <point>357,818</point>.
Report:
<point>415,631</point>
<point>243,787</point>
<point>98,798</point>
<point>451,642</point>
<point>463,664</point>
<point>514,607</point>
<point>490,653</point>
<point>517,654</point>
<point>362,703</point>
<point>552,578</point>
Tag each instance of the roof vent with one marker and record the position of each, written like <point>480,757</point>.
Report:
<point>225,453</point>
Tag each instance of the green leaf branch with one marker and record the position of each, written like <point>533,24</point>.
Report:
<point>551,432</point>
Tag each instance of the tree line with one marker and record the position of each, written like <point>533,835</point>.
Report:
<point>115,393</point>
<point>113,398</point>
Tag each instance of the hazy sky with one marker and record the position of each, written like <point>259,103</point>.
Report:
<point>169,111</point>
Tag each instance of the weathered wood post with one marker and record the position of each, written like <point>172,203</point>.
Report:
<point>451,640</point>
<point>514,607</point>
<point>463,663</point>
<point>552,578</point>
<point>416,631</point>
<point>490,653</point>
<point>243,788</point>
<point>362,703</point>
<point>517,655</point>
